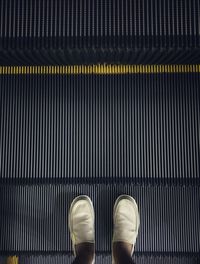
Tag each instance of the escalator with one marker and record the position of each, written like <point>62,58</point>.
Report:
<point>99,98</point>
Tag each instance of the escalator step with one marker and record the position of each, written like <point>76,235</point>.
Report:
<point>104,259</point>
<point>34,218</point>
<point>138,128</point>
<point>126,31</point>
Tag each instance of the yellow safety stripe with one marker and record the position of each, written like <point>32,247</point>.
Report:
<point>99,69</point>
<point>12,260</point>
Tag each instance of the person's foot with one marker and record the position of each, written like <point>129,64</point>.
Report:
<point>126,225</point>
<point>81,226</point>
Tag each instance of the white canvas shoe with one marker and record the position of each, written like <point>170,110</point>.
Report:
<point>126,220</point>
<point>81,221</point>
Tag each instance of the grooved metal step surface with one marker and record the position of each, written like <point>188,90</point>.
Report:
<point>34,218</point>
<point>105,259</point>
<point>39,32</point>
<point>137,128</point>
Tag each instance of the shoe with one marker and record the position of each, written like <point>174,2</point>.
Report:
<point>81,221</point>
<point>126,220</point>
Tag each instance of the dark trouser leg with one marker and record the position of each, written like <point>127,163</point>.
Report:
<point>122,253</point>
<point>125,260</point>
<point>81,260</point>
<point>84,253</point>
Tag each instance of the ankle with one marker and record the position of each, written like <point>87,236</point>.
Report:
<point>85,252</point>
<point>122,251</point>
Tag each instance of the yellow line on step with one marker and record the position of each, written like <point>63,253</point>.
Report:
<point>12,260</point>
<point>98,69</point>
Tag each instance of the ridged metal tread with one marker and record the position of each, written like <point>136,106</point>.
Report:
<point>137,128</point>
<point>35,218</point>
<point>99,56</point>
<point>104,259</point>
<point>72,31</point>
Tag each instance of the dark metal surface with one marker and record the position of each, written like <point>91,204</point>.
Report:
<point>34,218</point>
<point>105,259</point>
<point>60,32</point>
<point>101,135</point>
<point>138,128</point>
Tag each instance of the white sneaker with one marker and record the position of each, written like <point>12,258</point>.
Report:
<point>81,221</point>
<point>126,220</point>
